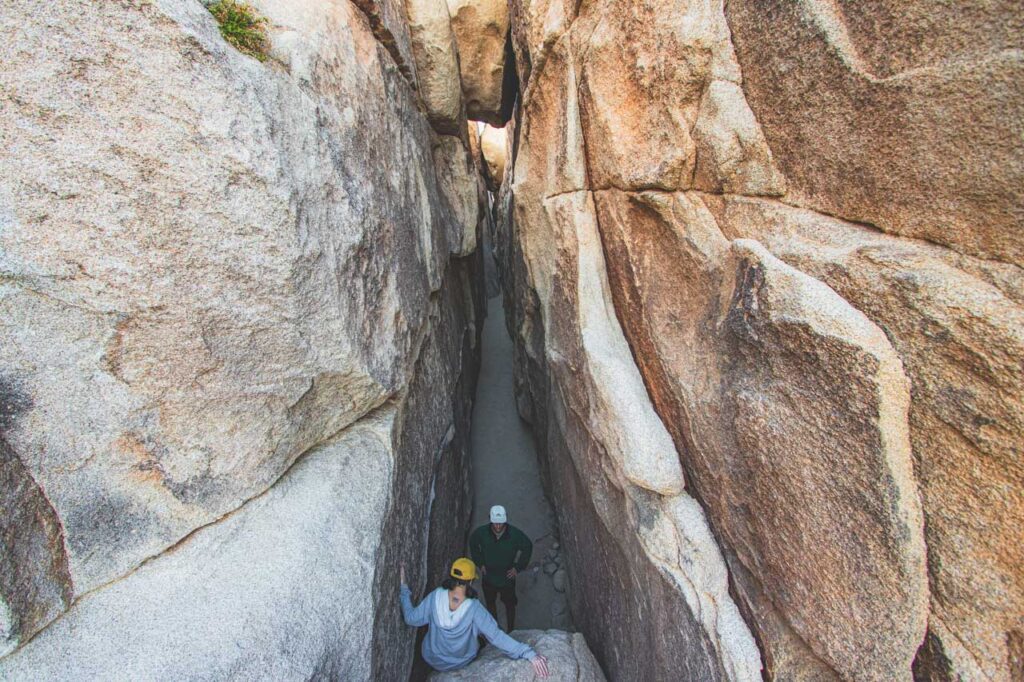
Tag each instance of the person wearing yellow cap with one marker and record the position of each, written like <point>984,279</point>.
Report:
<point>456,619</point>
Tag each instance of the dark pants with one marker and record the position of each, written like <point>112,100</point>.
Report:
<point>508,598</point>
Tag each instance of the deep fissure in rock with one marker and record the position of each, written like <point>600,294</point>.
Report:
<point>506,471</point>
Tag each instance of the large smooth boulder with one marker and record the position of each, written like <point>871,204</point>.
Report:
<point>569,660</point>
<point>291,584</point>
<point>437,63</point>
<point>626,520</point>
<point>481,31</point>
<point>212,267</point>
<point>966,416</point>
<point>289,571</point>
<point>791,408</point>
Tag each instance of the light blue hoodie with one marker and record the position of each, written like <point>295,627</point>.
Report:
<point>451,640</point>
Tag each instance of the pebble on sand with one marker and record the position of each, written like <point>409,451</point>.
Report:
<point>559,580</point>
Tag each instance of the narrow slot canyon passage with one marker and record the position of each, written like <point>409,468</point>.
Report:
<point>506,472</point>
<point>723,302</point>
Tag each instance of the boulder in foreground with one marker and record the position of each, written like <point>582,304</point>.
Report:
<point>568,655</point>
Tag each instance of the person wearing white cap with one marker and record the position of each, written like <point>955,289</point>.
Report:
<point>501,551</point>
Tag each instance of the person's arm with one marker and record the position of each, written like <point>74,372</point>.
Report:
<point>525,552</point>
<point>488,627</point>
<point>414,615</point>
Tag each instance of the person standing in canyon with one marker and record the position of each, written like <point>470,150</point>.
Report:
<point>502,551</point>
<point>456,620</point>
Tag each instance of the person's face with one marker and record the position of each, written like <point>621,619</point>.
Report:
<point>498,528</point>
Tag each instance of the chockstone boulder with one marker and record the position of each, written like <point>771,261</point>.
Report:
<point>569,660</point>
<point>481,30</point>
<point>437,63</point>
<point>494,146</point>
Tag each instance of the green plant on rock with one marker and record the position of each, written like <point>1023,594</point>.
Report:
<point>242,27</point>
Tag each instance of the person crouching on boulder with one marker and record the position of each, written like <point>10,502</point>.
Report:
<point>456,619</point>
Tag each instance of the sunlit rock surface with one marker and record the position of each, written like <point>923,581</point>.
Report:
<point>761,263</point>
<point>212,269</point>
<point>828,384</point>
<point>481,30</point>
<point>494,145</point>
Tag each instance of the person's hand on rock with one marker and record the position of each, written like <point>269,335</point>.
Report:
<point>401,574</point>
<point>511,573</point>
<point>483,570</point>
<point>540,666</point>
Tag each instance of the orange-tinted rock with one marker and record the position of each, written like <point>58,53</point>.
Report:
<point>789,409</point>
<point>481,32</point>
<point>958,325</point>
<point>660,100</point>
<point>494,147</point>
<point>905,115</point>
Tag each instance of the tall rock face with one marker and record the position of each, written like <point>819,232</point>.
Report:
<point>761,267</point>
<point>240,306</point>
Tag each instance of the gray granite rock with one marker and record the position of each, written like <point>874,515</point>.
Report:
<point>569,660</point>
<point>288,585</point>
<point>209,265</point>
<point>212,270</point>
<point>265,593</point>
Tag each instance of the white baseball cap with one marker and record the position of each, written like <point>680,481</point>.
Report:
<point>498,514</point>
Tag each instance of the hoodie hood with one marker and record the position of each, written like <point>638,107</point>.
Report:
<point>452,621</point>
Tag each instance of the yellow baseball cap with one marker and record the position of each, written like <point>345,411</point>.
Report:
<point>464,569</point>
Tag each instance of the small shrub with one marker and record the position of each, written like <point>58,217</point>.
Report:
<point>242,27</point>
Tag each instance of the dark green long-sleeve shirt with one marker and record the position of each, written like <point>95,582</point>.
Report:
<point>499,554</point>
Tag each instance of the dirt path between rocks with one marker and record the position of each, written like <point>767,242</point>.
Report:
<point>506,472</point>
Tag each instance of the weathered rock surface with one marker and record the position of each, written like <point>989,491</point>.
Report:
<point>675,53</point>
<point>569,660</point>
<point>481,32</point>
<point>286,586</point>
<point>843,401</point>
<point>236,594</point>
<point>437,63</point>
<point>211,269</point>
<point>387,20</point>
<point>967,412</point>
<point>762,266</point>
<point>765,414</point>
<point>627,525</point>
<point>257,594</point>
<point>460,184</point>
<point>904,115</point>
<point>34,582</point>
